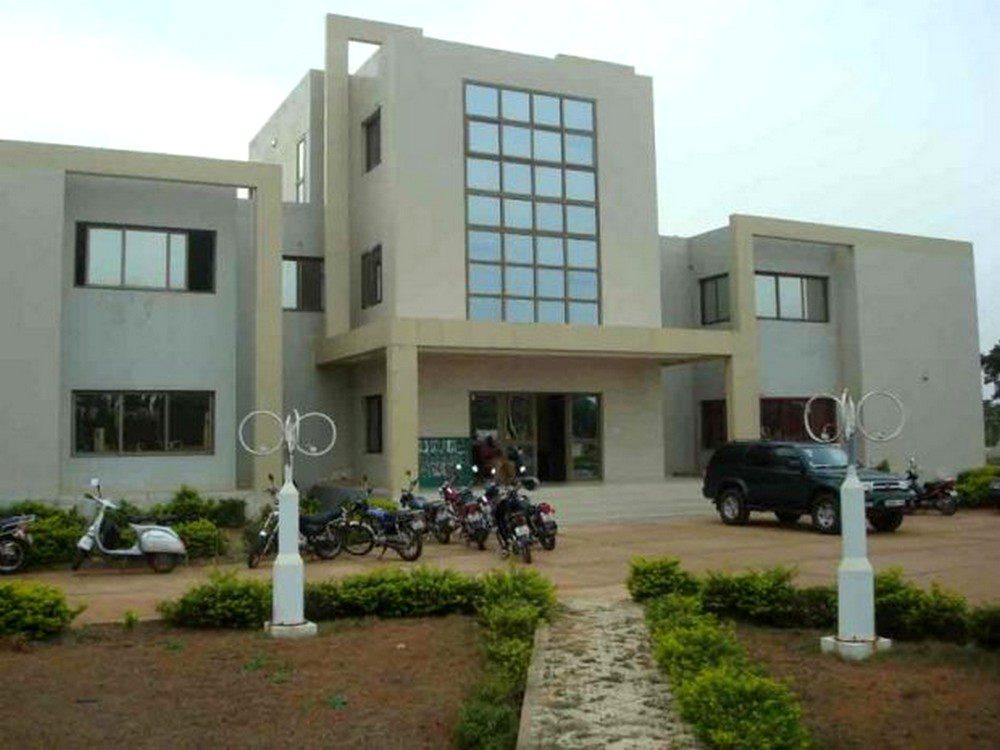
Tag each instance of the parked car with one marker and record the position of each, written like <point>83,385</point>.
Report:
<point>796,479</point>
<point>994,494</point>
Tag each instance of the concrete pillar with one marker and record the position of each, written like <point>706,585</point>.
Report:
<point>401,413</point>
<point>337,180</point>
<point>742,398</point>
<point>742,380</point>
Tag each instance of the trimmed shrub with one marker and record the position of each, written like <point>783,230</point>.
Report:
<point>509,659</point>
<point>766,597</point>
<point>202,538</point>
<point>683,652</point>
<point>649,578</point>
<point>486,724</point>
<point>907,612</point>
<point>984,626</point>
<point>224,602</point>
<point>815,607</point>
<point>516,585</point>
<point>973,485</point>
<point>510,619</point>
<point>33,610</point>
<point>230,512</point>
<point>734,708</point>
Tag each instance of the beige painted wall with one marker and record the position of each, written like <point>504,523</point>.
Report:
<point>630,390</point>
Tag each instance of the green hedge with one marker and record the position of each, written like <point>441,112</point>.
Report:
<point>973,485</point>
<point>202,538</point>
<point>903,610</point>
<point>33,610</point>
<point>727,701</point>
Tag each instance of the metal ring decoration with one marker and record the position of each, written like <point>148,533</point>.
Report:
<point>841,419</point>
<point>312,450</point>
<point>262,450</point>
<point>881,437</point>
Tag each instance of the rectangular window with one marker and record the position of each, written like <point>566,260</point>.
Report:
<point>714,430</point>
<point>715,299</point>
<point>302,283</point>
<point>145,258</point>
<point>373,140</point>
<point>300,171</point>
<point>371,277</point>
<point>143,422</point>
<point>373,424</point>
<point>531,207</point>
<point>792,297</point>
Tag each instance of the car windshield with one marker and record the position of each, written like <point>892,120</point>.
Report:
<point>825,457</point>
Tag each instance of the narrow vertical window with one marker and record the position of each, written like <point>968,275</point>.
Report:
<point>373,424</point>
<point>302,284</point>
<point>300,171</point>
<point>371,277</point>
<point>373,140</point>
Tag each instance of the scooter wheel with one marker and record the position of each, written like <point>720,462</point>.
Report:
<point>162,562</point>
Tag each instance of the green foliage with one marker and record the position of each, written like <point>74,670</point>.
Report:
<point>907,612</point>
<point>984,626</point>
<point>383,502</point>
<point>202,538</point>
<point>510,619</point>
<point>649,578</point>
<point>730,707</point>
<point>816,607</point>
<point>991,369</point>
<point>33,610</point>
<point>188,505</point>
<point>55,536</point>
<point>509,658</point>
<point>973,485</point>
<point>684,651</point>
<point>224,602</point>
<point>130,619</point>
<point>766,597</point>
<point>882,465</point>
<point>230,512</point>
<point>485,724</point>
<point>516,585</point>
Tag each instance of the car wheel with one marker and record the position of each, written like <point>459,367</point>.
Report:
<point>732,508</point>
<point>886,522</point>
<point>826,515</point>
<point>787,517</point>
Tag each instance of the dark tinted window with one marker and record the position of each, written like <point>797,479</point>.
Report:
<point>760,455</point>
<point>373,141</point>
<point>373,424</point>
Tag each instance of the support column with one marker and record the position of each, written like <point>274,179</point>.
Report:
<point>401,413</point>
<point>742,398</point>
<point>337,180</point>
<point>742,380</point>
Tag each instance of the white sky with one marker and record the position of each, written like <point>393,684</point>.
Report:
<point>883,115</point>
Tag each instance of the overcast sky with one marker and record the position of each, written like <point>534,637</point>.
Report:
<point>882,115</point>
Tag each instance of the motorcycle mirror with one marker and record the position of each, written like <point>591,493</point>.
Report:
<point>95,482</point>
<point>475,468</point>
<point>458,467</point>
<point>493,471</point>
<point>523,470</point>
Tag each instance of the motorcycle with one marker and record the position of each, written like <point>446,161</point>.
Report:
<point>160,545</point>
<point>323,534</point>
<point>472,513</point>
<point>15,541</point>
<point>543,524</point>
<point>400,530</point>
<point>510,515</point>
<point>439,518</point>
<point>939,495</point>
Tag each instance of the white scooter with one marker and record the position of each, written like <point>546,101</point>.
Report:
<point>160,545</point>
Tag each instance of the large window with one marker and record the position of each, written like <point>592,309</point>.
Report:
<point>371,277</point>
<point>715,299</point>
<point>373,424</point>
<point>373,140</point>
<point>789,297</point>
<point>780,419</point>
<point>302,283</point>
<point>531,207</point>
<point>142,422</point>
<point>300,171</point>
<point>145,258</point>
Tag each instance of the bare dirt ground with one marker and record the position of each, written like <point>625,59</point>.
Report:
<point>916,696</point>
<point>591,560</point>
<point>359,684</point>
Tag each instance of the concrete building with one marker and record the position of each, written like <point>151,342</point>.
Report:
<point>465,247</point>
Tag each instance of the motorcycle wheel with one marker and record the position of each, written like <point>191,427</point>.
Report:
<point>162,562</point>
<point>525,553</point>
<point>256,554</point>
<point>442,535</point>
<point>410,550</point>
<point>947,506</point>
<point>358,538</point>
<point>78,558</point>
<point>327,546</point>
<point>548,542</point>
<point>481,540</point>
<point>12,556</point>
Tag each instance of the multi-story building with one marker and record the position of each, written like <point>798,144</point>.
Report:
<point>451,251</point>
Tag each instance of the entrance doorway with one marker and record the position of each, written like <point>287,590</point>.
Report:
<point>558,434</point>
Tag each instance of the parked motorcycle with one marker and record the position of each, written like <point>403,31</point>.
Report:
<point>439,518</point>
<point>472,513</point>
<point>510,514</point>
<point>15,541</point>
<point>939,495</point>
<point>159,545</point>
<point>323,534</point>
<point>400,530</point>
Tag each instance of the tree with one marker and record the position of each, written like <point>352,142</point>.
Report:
<point>991,370</point>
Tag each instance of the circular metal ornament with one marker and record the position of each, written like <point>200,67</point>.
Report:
<point>880,436</point>
<point>264,449</point>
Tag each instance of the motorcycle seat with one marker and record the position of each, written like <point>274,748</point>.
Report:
<point>320,519</point>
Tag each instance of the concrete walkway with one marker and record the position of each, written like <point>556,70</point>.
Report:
<point>593,684</point>
<point>601,502</point>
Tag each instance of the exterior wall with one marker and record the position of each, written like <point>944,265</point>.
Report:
<point>31,269</point>
<point>368,379</point>
<point>135,340</point>
<point>424,121</point>
<point>630,391</point>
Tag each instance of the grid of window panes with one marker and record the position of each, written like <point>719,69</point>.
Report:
<point>531,206</point>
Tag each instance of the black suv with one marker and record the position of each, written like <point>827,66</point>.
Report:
<point>793,479</point>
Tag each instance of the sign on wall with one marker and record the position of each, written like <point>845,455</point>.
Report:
<point>438,457</point>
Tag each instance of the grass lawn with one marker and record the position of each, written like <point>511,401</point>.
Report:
<point>918,695</point>
<point>369,683</point>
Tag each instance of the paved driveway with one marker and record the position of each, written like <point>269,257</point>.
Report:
<point>591,559</point>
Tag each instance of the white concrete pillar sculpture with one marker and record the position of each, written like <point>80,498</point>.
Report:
<point>856,638</point>
<point>288,598</point>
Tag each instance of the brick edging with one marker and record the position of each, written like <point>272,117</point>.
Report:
<point>525,737</point>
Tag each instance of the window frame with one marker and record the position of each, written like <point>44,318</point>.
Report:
<point>119,395</point>
<point>372,124</point>
<point>84,258</point>
<point>802,278</point>
<point>371,277</point>
<point>534,231</point>
<point>299,261</point>
<point>301,158</point>
<point>373,446</point>
<point>702,284</point>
